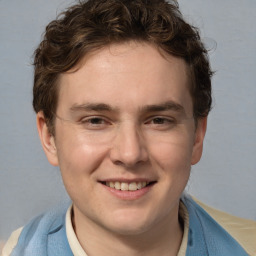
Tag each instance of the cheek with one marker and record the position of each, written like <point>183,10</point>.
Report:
<point>175,161</point>
<point>174,152</point>
<point>78,163</point>
<point>79,156</point>
<point>172,159</point>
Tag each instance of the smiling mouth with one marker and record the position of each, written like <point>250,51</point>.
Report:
<point>125,186</point>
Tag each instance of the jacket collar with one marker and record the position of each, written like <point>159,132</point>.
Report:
<point>206,237</point>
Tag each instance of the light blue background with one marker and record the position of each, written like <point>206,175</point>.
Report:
<point>226,176</point>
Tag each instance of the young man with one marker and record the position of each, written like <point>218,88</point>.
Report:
<point>122,91</point>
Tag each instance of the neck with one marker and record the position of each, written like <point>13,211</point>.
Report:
<point>163,239</point>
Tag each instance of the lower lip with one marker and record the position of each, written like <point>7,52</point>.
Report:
<point>128,195</point>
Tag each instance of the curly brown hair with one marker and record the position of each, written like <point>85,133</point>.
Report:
<point>93,24</point>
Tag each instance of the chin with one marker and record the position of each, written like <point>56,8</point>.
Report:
<point>130,224</point>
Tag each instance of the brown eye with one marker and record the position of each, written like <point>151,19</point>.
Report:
<point>96,120</point>
<point>159,120</point>
<point>161,123</point>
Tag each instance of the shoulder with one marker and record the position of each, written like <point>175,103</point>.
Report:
<point>36,232</point>
<point>242,230</point>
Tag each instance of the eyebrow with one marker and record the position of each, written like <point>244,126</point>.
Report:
<point>165,106</point>
<point>91,107</point>
<point>169,105</point>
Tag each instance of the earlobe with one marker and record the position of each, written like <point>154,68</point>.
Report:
<point>199,139</point>
<point>47,139</point>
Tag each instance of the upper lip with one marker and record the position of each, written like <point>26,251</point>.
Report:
<point>125,180</point>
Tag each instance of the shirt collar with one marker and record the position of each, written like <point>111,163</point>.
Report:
<point>78,250</point>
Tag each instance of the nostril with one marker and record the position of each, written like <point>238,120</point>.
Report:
<point>118,162</point>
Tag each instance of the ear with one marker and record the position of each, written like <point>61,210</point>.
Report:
<point>199,139</point>
<point>47,139</point>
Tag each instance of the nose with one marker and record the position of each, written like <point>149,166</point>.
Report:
<point>128,147</point>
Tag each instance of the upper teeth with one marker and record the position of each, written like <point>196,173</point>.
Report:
<point>127,186</point>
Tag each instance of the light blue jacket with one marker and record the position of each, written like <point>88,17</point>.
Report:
<point>46,235</point>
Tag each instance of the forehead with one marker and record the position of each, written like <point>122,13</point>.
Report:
<point>126,75</point>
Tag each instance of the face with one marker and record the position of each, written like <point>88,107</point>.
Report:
<point>125,137</point>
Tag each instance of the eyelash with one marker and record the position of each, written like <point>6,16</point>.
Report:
<point>166,123</point>
<point>163,120</point>
<point>88,120</point>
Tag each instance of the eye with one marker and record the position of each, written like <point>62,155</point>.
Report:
<point>161,122</point>
<point>94,122</point>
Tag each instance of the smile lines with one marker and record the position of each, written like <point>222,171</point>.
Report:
<point>124,186</point>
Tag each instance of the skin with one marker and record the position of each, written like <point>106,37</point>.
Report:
<point>144,131</point>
